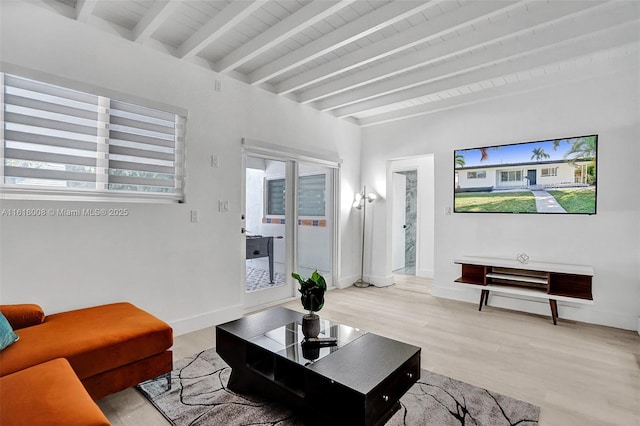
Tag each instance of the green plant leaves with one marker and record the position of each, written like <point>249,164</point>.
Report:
<point>312,291</point>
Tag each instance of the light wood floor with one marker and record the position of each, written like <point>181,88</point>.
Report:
<point>579,374</point>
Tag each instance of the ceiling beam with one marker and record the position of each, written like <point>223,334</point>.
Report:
<point>623,34</point>
<point>518,24</point>
<point>155,16</point>
<point>365,25</point>
<point>57,7</point>
<point>408,39</point>
<point>567,76</point>
<point>84,9</point>
<point>492,55</point>
<point>302,19</point>
<point>224,21</point>
<point>108,26</point>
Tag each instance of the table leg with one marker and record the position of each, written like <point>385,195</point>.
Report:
<point>484,296</point>
<point>239,381</point>
<point>383,420</point>
<point>554,310</point>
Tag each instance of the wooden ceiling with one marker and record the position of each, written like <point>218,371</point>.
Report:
<point>375,61</point>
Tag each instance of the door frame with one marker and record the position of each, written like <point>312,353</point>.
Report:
<point>256,148</point>
<point>425,220</point>
<point>395,232</point>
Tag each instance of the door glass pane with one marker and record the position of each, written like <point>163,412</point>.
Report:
<point>311,195</point>
<point>315,220</point>
<point>265,224</point>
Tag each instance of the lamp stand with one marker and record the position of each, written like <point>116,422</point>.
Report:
<point>361,283</point>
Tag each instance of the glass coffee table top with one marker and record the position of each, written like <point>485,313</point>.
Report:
<point>287,341</point>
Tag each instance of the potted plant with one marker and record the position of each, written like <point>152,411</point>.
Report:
<point>312,297</point>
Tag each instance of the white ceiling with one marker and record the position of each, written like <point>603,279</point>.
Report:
<point>375,61</point>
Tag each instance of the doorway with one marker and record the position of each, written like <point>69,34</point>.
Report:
<point>265,240</point>
<point>405,209</point>
<point>266,236</point>
<point>289,223</point>
<point>410,216</point>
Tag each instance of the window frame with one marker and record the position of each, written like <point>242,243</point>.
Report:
<point>476,175</point>
<point>508,172</point>
<point>105,194</point>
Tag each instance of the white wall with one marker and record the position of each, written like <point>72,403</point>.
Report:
<point>186,273</point>
<point>609,241</point>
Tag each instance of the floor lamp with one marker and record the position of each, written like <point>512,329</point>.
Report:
<point>360,202</point>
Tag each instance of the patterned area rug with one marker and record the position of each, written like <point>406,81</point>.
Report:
<point>199,396</point>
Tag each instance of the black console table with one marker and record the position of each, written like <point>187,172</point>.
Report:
<point>359,381</point>
<point>259,246</point>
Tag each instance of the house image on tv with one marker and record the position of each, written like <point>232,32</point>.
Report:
<point>527,175</point>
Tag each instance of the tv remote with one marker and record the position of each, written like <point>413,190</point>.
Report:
<point>321,341</point>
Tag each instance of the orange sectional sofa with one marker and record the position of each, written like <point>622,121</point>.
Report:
<point>109,347</point>
<point>54,396</point>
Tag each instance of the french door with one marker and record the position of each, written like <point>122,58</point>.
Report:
<point>288,221</point>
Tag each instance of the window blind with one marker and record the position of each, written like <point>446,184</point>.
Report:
<point>50,135</point>
<point>311,196</point>
<point>142,149</point>
<point>276,197</point>
<point>64,141</point>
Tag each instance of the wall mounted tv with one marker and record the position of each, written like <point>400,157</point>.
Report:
<point>555,176</point>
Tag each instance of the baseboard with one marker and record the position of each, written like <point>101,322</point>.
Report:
<point>347,281</point>
<point>424,273</point>
<point>268,305</point>
<point>379,281</point>
<point>208,319</point>
<point>566,310</point>
<point>371,279</point>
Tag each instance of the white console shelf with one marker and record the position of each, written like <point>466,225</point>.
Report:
<point>519,278</point>
<point>543,280</point>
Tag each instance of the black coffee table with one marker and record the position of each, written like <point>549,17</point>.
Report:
<point>357,382</point>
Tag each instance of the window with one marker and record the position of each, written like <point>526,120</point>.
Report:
<point>553,171</point>
<point>61,141</point>
<point>477,175</point>
<point>511,176</point>
<point>275,197</point>
<point>311,196</point>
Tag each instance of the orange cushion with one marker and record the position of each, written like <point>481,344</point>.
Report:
<point>24,315</point>
<point>47,394</point>
<point>93,340</point>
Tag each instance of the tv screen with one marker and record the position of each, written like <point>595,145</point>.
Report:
<point>556,176</point>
